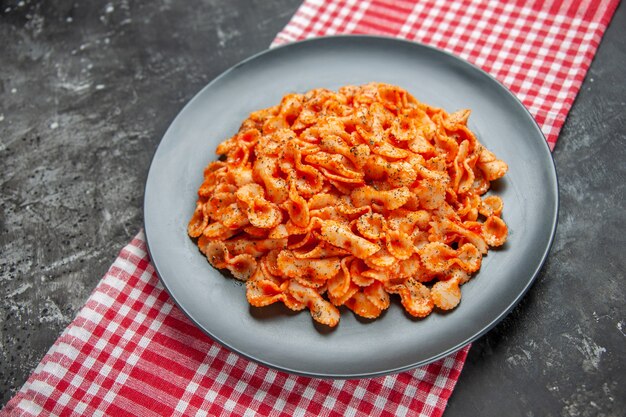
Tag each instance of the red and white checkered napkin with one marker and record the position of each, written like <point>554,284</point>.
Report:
<point>130,351</point>
<point>539,49</point>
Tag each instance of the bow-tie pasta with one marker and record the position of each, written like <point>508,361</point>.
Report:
<point>344,198</point>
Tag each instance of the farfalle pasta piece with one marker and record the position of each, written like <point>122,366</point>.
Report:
<point>381,260</point>
<point>363,306</point>
<point>261,291</point>
<point>219,201</point>
<point>446,294</point>
<point>495,231</point>
<point>431,193</point>
<point>408,268</point>
<point>447,227</point>
<point>269,263</point>
<point>393,97</point>
<point>340,235</point>
<point>371,225</point>
<point>297,208</point>
<point>306,178</point>
<point>198,221</point>
<point>349,211</point>
<point>444,144</point>
<point>468,208</point>
<point>254,247</point>
<point>338,165</point>
<point>257,232</point>
<point>261,213</point>
<point>390,200</point>
<point>233,217</point>
<point>357,154</point>
<point>382,148</point>
<point>321,310</point>
<point>376,294</point>
<point>438,257</point>
<point>407,220</point>
<point>322,200</point>
<point>358,273</point>
<point>266,169</point>
<point>323,250</point>
<point>491,167</point>
<point>463,172</point>
<point>242,266</point>
<point>341,287</point>
<point>399,244</point>
<point>416,298</point>
<point>396,173</point>
<point>313,270</point>
<point>491,206</point>
<point>218,231</point>
<point>350,198</point>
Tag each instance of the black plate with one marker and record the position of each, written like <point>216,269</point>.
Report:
<point>356,348</point>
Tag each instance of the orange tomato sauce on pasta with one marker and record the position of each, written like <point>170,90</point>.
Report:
<point>346,198</point>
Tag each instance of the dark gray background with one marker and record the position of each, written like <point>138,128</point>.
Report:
<point>86,93</point>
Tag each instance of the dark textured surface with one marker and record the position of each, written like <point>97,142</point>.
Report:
<point>562,350</point>
<point>86,93</point>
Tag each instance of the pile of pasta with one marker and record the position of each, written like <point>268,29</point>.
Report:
<point>343,198</point>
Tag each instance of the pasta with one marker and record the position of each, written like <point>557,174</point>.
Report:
<point>348,198</point>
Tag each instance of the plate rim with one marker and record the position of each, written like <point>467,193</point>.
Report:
<point>554,185</point>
